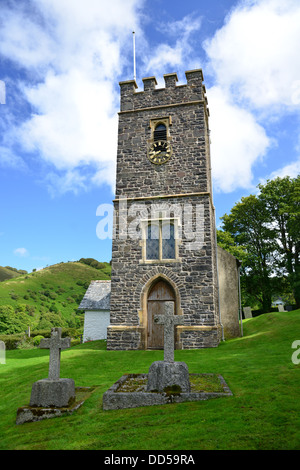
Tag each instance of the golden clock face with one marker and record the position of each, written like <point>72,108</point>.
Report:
<point>159,152</point>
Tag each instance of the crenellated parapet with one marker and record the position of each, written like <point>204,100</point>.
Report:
<point>133,99</point>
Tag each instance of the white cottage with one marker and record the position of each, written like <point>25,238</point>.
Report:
<point>96,304</point>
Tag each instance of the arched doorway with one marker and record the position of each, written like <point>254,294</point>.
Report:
<point>159,293</point>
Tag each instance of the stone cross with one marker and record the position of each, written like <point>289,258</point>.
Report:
<point>169,320</point>
<point>56,343</point>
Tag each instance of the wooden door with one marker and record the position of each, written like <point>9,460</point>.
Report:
<point>158,295</point>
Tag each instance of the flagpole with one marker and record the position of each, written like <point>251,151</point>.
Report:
<point>134,70</point>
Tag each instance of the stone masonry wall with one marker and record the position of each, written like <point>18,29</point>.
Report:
<point>183,182</point>
<point>186,171</point>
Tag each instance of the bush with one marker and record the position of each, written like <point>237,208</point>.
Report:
<point>44,298</point>
<point>71,332</point>
<point>60,290</point>
<point>93,262</point>
<point>45,333</point>
<point>13,321</point>
<point>54,309</point>
<point>19,341</point>
<point>11,341</point>
<point>37,339</point>
<point>25,343</point>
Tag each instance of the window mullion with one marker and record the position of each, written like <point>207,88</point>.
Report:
<point>160,239</point>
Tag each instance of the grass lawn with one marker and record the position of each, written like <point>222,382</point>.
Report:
<point>263,413</point>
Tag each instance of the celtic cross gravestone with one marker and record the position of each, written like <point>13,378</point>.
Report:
<point>56,343</point>
<point>53,391</point>
<point>169,320</point>
<point>168,375</point>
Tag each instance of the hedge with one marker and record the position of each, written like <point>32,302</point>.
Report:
<point>11,341</point>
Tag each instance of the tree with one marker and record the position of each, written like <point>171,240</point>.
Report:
<point>281,198</point>
<point>13,321</point>
<point>225,240</point>
<point>49,320</point>
<point>267,227</point>
<point>248,224</point>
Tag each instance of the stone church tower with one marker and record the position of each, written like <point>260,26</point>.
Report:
<point>164,244</point>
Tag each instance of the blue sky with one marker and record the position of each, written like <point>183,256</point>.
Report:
<point>60,65</point>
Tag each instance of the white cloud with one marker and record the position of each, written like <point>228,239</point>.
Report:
<point>75,123</point>
<point>176,55</point>
<point>292,170</point>
<point>22,40</point>
<point>9,159</point>
<point>256,53</point>
<point>254,59</point>
<point>237,141</point>
<point>69,180</point>
<point>21,252</point>
<point>77,51</point>
<point>74,53</point>
<point>2,92</point>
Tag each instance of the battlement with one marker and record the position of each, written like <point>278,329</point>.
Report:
<point>132,99</point>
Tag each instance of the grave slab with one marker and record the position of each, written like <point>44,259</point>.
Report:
<point>130,391</point>
<point>52,396</point>
<point>29,414</point>
<point>167,381</point>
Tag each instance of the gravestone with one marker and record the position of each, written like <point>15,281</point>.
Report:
<point>53,391</point>
<point>247,312</point>
<point>167,374</point>
<point>2,352</point>
<point>167,381</point>
<point>53,396</point>
<point>281,308</point>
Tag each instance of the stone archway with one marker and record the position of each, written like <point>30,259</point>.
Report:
<point>160,292</point>
<point>143,289</point>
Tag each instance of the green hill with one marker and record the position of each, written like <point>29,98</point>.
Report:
<point>46,298</point>
<point>8,273</point>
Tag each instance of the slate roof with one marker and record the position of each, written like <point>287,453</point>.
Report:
<point>97,296</point>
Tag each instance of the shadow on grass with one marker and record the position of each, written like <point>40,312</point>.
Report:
<point>21,354</point>
<point>96,345</point>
